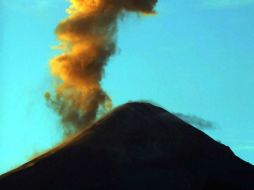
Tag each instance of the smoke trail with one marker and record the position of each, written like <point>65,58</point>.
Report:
<point>87,38</point>
<point>196,121</point>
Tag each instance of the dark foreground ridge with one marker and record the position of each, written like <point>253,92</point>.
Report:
<point>137,146</point>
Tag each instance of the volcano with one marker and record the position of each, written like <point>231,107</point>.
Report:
<point>136,146</point>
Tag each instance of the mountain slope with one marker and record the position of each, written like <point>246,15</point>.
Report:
<point>137,146</point>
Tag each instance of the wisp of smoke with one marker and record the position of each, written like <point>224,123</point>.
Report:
<point>196,121</point>
<point>87,39</point>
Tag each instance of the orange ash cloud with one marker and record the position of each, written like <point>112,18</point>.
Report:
<point>87,38</point>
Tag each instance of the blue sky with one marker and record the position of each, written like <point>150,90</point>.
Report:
<point>194,57</point>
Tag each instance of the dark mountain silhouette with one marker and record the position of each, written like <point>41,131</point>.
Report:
<point>137,146</point>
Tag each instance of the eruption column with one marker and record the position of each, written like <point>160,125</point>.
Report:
<point>87,38</point>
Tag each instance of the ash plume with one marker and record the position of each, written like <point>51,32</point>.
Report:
<point>87,39</point>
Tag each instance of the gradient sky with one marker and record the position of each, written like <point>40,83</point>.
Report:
<point>196,58</point>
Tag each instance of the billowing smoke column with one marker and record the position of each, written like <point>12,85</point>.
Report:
<point>87,38</point>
